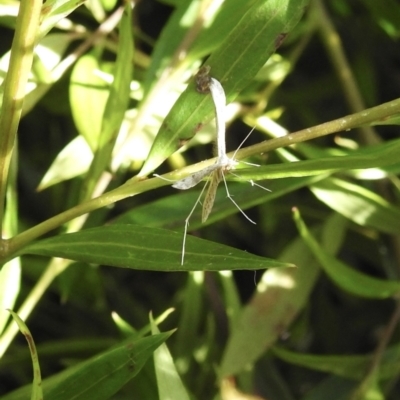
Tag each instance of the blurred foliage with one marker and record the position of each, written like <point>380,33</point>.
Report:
<point>302,305</point>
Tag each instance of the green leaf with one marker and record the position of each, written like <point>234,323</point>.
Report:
<point>109,5</point>
<point>10,277</point>
<point>214,30</point>
<point>191,314</point>
<point>347,366</point>
<point>231,294</point>
<point>273,306</point>
<point>169,212</point>
<point>358,204</point>
<point>169,383</point>
<point>331,388</point>
<point>369,389</point>
<point>347,278</point>
<point>224,22</point>
<point>381,155</point>
<point>100,377</point>
<point>138,247</point>
<point>54,11</point>
<point>280,296</point>
<point>118,98</point>
<point>237,60</point>
<point>386,14</point>
<point>117,103</point>
<point>37,392</point>
<point>88,96</point>
<point>171,36</point>
<point>73,160</point>
<point>352,367</point>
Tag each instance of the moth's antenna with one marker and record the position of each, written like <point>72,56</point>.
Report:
<point>243,142</point>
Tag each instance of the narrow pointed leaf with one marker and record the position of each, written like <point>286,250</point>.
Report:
<point>381,155</point>
<point>117,102</point>
<point>138,247</point>
<point>237,60</point>
<point>170,213</point>
<point>100,377</point>
<point>55,10</point>
<point>37,391</point>
<point>214,30</point>
<point>347,278</point>
<point>347,366</point>
<point>169,383</point>
<point>280,296</point>
<point>73,160</point>
<point>88,97</point>
<point>358,204</point>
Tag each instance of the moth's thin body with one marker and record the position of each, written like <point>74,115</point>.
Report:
<point>210,194</point>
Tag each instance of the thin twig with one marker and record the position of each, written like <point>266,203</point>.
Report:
<point>333,45</point>
<point>378,354</point>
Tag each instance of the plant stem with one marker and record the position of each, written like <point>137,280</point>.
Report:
<point>60,69</point>
<point>170,74</point>
<point>342,67</point>
<point>133,187</point>
<point>21,58</point>
<point>368,116</point>
<point>387,334</point>
<point>19,241</point>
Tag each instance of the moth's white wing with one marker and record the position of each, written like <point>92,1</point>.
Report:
<point>195,178</point>
<point>219,99</point>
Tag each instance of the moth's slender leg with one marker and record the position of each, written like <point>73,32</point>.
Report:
<point>234,202</point>
<point>187,222</point>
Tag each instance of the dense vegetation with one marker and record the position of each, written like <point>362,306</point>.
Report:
<point>99,96</point>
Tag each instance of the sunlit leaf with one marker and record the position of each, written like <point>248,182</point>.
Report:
<point>116,105</point>
<point>10,276</point>
<point>358,204</point>
<point>234,64</point>
<point>169,383</point>
<point>72,161</point>
<point>88,96</point>
<point>381,155</point>
<point>55,10</point>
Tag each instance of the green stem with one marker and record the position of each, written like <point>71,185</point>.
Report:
<point>44,85</point>
<point>368,116</point>
<point>335,50</point>
<point>19,241</point>
<point>133,187</point>
<point>21,58</point>
<point>367,382</point>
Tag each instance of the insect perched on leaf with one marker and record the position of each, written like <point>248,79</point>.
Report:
<point>223,164</point>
